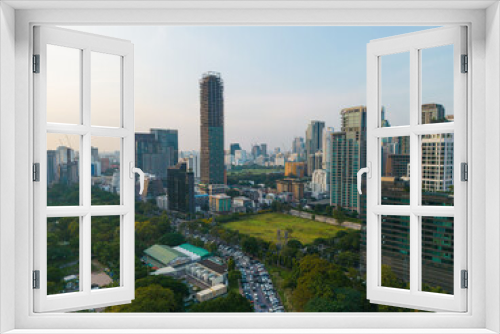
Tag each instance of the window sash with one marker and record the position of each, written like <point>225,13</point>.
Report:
<point>413,298</point>
<point>85,298</point>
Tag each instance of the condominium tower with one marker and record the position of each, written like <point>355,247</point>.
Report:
<point>348,155</point>
<point>314,143</point>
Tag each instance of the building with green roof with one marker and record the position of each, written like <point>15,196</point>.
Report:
<point>195,253</point>
<point>162,256</point>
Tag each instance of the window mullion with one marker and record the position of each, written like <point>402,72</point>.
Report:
<point>414,170</point>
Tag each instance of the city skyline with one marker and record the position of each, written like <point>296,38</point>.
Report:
<point>263,87</point>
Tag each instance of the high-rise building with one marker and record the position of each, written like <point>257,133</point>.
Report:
<point>327,147</point>
<point>256,151</point>
<point>155,152</point>
<point>51,167</point>
<point>180,188</point>
<point>193,164</point>
<point>263,149</point>
<point>294,168</point>
<point>314,142</point>
<point>212,128</point>
<point>169,143</point>
<point>298,147</point>
<point>319,181</point>
<point>437,162</point>
<point>348,156</point>
<point>433,113</point>
<point>234,147</point>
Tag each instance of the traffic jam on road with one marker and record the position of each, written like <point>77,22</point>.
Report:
<point>256,284</point>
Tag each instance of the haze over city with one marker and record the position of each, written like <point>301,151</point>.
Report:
<point>276,79</point>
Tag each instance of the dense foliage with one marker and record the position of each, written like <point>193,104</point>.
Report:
<point>233,302</point>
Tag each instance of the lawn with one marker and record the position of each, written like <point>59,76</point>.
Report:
<point>264,226</point>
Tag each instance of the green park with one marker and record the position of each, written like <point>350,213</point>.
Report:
<point>265,227</point>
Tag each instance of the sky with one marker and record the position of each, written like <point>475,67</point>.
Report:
<point>276,79</point>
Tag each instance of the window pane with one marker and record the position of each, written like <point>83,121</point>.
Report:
<point>63,84</point>
<point>105,89</point>
<point>395,170</point>
<point>63,169</point>
<point>396,251</point>
<point>63,251</point>
<point>437,169</point>
<point>105,252</point>
<point>395,89</point>
<point>437,254</point>
<point>437,84</point>
<point>105,160</point>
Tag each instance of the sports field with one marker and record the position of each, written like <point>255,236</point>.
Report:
<point>264,226</point>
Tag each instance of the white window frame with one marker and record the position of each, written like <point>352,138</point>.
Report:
<point>484,50</point>
<point>413,43</point>
<point>124,51</point>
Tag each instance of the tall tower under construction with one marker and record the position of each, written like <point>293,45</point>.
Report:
<point>212,128</point>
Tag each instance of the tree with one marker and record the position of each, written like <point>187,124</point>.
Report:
<point>339,215</point>
<point>233,302</point>
<point>152,298</point>
<point>172,239</point>
<point>231,265</point>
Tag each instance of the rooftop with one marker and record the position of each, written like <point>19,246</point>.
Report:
<point>163,254</point>
<point>196,250</point>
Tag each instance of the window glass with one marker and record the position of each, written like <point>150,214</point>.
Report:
<point>437,169</point>
<point>63,169</point>
<point>395,89</point>
<point>395,170</point>
<point>105,252</point>
<point>437,84</point>
<point>63,249</point>
<point>63,84</point>
<point>105,170</point>
<point>106,88</point>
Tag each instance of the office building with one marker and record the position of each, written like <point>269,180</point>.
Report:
<point>291,186</point>
<point>298,148</point>
<point>314,142</point>
<point>263,149</point>
<point>220,203</point>
<point>212,128</point>
<point>433,113</point>
<point>156,151</point>
<point>256,151</point>
<point>319,182</point>
<point>437,162</point>
<point>297,169</point>
<point>327,148</point>
<point>234,147</point>
<point>180,189</point>
<point>51,167</point>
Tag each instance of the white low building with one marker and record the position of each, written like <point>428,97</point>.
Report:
<point>319,182</point>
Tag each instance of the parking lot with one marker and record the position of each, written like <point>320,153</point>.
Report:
<point>256,284</point>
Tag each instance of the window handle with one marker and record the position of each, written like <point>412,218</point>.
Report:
<point>368,171</point>
<point>139,171</point>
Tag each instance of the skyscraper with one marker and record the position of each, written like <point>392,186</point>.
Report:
<point>180,188</point>
<point>348,156</point>
<point>212,128</point>
<point>156,151</point>
<point>298,148</point>
<point>263,149</point>
<point>234,147</point>
<point>314,142</point>
<point>327,154</point>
